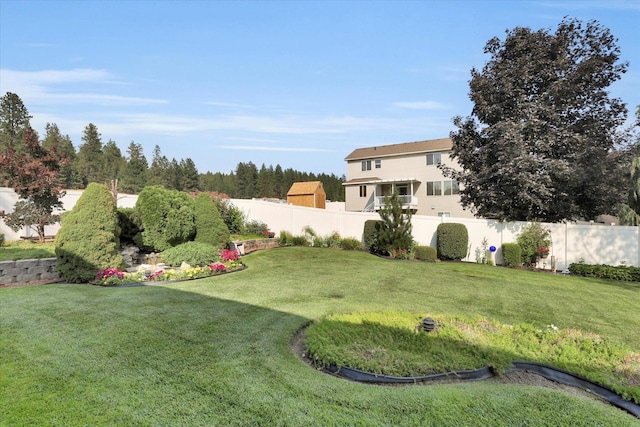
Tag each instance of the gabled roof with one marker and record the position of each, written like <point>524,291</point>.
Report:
<point>400,149</point>
<point>302,188</point>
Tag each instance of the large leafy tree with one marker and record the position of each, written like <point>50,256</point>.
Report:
<point>540,143</point>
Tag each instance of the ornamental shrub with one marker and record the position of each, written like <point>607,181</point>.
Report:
<point>193,253</point>
<point>210,228</point>
<point>88,237</point>
<point>168,217</point>
<point>452,241</point>
<point>370,235</point>
<point>1,239</point>
<point>425,253</point>
<point>602,271</point>
<point>351,244</point>
<point>285,238</point>
<point>531,239</point>
<point>394,233</point>
<point>255,227</point>
<point>511,255</point>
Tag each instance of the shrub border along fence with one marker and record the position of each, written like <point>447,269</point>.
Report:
<point>26,271</point>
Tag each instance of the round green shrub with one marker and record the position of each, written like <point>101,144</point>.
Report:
<point>452,241</point>
<point>425,253</point>
<point>193,253</point>
<point>511,255</point>
<point>210,228</point>
<point>351,244</point>
<point>168,217</point>
<point>88,237</point>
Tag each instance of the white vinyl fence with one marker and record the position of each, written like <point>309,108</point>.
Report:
<point>595,244</point>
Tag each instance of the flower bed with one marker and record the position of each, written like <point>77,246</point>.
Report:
<point>115,277</point>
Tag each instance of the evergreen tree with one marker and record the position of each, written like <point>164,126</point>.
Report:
<point>189,175</point>
<point>90,160</point>
<point>88,238</point>
<point>394,232</point>
<point>210,228</point>
<point>247,176</point>
<point>134,177</point>
<point>14,121</point>
<point>54,140</point>
<point>113,162</point>
<point>157,174</point>
<point>278,177</point>
<point>540,141</point>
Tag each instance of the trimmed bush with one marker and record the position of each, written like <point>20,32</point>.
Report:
<point>370,235</point>
<point>210,228</point>
<point>602,271</point>
<point>351,244</point>
<point>452,241</point>
<point>193,253</point>
<point>88,237</point>
<point>511,255</point>
<point>425,253</point>
<point>1,239</point>
<point>168,217</point>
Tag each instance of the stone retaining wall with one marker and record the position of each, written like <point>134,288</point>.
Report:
<point>28,271</point>
<point>254,245</point>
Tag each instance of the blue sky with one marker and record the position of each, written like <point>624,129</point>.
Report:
<point>295,83</point>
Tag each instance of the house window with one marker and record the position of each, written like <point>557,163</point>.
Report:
<point>444,214</point>
<point>434,188</point>
<point>363,191</point>
<point>451,187</point>
<point>434,159</point>
<point>378,163</point>
<point>366,165</point>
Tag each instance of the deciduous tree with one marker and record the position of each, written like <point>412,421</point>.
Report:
<point>540,141</point>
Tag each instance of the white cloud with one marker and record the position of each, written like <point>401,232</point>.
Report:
<point>420,105</point>
<point>44,87</point>
<point>271,148</point>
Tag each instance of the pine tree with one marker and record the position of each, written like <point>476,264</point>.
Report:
<point>134,177</point>
<point>90,160</point>
<point>54,140</point>
<point>395,230</point>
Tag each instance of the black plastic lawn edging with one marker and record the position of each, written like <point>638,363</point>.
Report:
<point>486,372</point>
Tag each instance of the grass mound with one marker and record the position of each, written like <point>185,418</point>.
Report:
<point>390,343</point>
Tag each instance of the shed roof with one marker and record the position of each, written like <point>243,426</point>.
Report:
<point>306,187</point>
<point>398,149</point>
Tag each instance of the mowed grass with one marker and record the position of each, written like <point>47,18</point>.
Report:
<point>26,249</point>
<point>217,351</point>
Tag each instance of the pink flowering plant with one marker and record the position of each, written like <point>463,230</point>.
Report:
<point>229,255</point>
<point>110,276</point>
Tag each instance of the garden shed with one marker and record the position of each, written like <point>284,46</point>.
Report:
<point>309,193</point>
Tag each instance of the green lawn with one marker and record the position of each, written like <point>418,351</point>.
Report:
<point>216,351</point>
<point>26,249</point>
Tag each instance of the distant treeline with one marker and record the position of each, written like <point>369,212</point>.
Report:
<point>105,163</point>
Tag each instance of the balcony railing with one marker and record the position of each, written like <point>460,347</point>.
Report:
<point>408,202</point>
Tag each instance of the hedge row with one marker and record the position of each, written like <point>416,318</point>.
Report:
<point>602,271</point>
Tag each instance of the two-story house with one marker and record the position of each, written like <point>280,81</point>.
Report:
<point>412,170</point>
